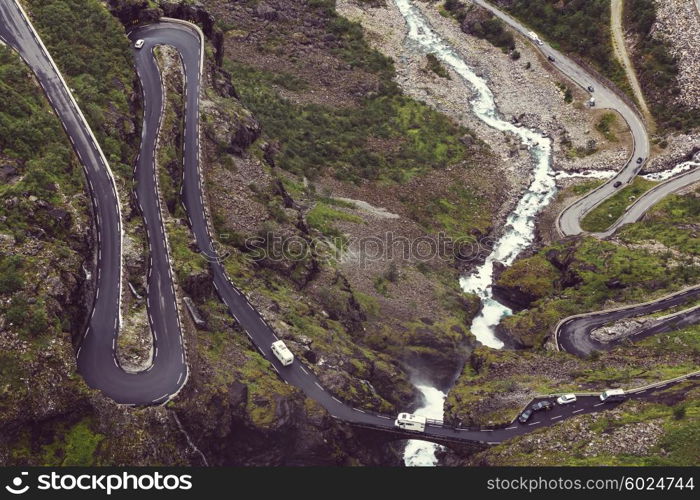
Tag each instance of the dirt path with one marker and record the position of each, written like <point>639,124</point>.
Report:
<point>620,50</point>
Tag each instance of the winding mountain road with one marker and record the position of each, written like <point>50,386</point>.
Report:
<point>573,334</point>
<point>569,220</point>
<point>168,373</point>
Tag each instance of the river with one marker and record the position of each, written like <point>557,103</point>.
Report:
<point>518,232</point>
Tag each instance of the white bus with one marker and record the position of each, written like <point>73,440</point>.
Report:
<point>612,395</point>
<point>282,352</point>
<point>410,422</point>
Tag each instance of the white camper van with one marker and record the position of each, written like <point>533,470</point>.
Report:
<point>282,352</point>
<point>410,422</point>
<point>535,38</point>
<point>612,395</point>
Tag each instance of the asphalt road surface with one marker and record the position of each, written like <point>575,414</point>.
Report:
<point>96,356</point>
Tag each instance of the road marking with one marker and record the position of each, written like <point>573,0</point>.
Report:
<point>384,417</point>
<point>303,369</point>
<point>576,411</point>
<point>161,397</point>
<point>338,400</point>
<point>558,416</point>
<point>513,427</point>
<point>597,405</point>
<point>179,378</point>
<point>357,409</point>
<point>319,386</point>
<point>485,430</point>
<point>535,423</point>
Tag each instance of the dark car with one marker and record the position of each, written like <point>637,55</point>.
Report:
<point>525,416</point>
<point>640,160</point>
<point>542,405</point>
<point>550,58</point>
<point>617,184</point>
<point>590,88</point>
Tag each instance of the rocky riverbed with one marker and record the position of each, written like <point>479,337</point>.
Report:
<point>525,90</point>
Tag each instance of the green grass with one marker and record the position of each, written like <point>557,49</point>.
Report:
<point>491,29</point>
<point>322,217</point>
<point>601,217</point>
<point>586,186</point>
<point>436,66</point>
<point>684,211</point>
<point>186,261</point>
<point>605,126</point>
<point>458,212</point>
<point>92,51</point>
<point>535,276</point>
<point>32,139</point>
<point>386,137</point>
<point>76,447</point>
<point>681,342</point>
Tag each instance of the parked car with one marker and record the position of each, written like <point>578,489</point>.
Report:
<point>139,44</point>
<point>525,416</point>
<point>617,184</point>
<point>590,88</point>
<point>566,399</point>
<point>551,58</point>
<point>542,405</point>
<point>640,160</point>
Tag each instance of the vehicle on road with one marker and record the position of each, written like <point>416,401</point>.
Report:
<point>410,422</point>
<point>282,352</point>
<point>611,395</point>
<point>543,405</point>
<point>640,160</point>
<point>591,102</point>
<point>551,58</point>
<point>525,416</point>
<point>139,43</point>
<point>590,88</point>
<point>566,399</point>
<point>617,184</point>
<point>535,38</point>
